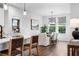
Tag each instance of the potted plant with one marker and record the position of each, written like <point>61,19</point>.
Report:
<point>43,29</point>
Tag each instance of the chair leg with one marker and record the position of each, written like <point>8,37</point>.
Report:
<point>37,50</point>
<point>22,48</point>
<point>21,53</point>
<point>30,50</point>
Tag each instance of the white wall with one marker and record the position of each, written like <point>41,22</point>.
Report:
<point>1,17</point>
<point>6,22</point>
<point>74,10</point>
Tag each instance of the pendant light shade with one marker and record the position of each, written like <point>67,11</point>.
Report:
<point>25,12</point>
<point>5,6</point>
<point>51,14</point>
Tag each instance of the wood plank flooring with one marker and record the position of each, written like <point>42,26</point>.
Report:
<point>54,50</point>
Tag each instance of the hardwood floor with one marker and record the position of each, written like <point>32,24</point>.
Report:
<point>55,50</point>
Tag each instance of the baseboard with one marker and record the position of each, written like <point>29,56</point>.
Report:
<point>62,41</point>
<point>57,41</point>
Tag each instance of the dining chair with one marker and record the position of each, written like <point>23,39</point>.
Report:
<point>44,39</point>
<point>33,44</point>
<point>53,38</point>
<point>15,47</point>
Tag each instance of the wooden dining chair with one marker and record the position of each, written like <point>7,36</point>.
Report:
<point>33,44</point>
<point>15,47</point>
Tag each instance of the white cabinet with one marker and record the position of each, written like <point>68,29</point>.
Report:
<point>1,17</point>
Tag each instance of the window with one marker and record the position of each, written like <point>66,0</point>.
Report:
<point>52,24</point>
<point>61,24</point>
<point>52,28</point>
<point>62,29</point>
<point>57,24</point>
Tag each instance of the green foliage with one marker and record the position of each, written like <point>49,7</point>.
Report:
<point>62,29</point>
<point>44,29</point>
<point>52,28</point>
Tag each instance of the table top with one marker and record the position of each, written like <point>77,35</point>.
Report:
<point>73,43</point>
<point>3,40</point>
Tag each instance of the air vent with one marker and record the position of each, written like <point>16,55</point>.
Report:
<point>1,5</point>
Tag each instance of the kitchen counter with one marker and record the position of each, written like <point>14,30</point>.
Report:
<point>4,42</point>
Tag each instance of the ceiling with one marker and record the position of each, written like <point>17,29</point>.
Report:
<point>44,9</point>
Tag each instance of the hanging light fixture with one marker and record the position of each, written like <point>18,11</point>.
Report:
<point>51,19</point>
<point>51,14</point>
<point>5,6</point>
<point>25,12</point>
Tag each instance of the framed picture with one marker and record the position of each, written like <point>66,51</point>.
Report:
<point>15,25</point>
<point>34,24</point>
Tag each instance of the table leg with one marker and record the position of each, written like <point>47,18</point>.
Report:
<point>68,52</point>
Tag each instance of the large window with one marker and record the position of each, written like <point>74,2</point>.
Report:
<point>52,24</point>
<point>52,28</point>
<point>57,24</point>
<point>61,24</point>
<point>62,29</point>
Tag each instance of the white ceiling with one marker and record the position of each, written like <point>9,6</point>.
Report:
<point>44,9</point>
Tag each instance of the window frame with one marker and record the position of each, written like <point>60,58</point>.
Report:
<point>57,25</point>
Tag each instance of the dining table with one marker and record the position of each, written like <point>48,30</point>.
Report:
<point>73,48</point>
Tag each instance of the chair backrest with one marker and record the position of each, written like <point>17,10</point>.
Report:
<point>16,43</point>
<point>54,36</point>
<point>42,36</point>
<point>35,39</point>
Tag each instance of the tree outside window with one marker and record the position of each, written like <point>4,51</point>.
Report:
<point>62,28</point>
<point>52,24</point>
<point>62,24</point>
<point>52,28</point>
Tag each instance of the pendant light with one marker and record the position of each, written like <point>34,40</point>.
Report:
<point>51,14</point>
<point>51,18</point>
<point>25,12</point>
<point>5,6</point>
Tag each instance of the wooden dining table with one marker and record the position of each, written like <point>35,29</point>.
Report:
<point>73,49</point>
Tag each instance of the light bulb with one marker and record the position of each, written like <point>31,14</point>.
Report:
<point>5,7</point>
<point>25,13</point>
